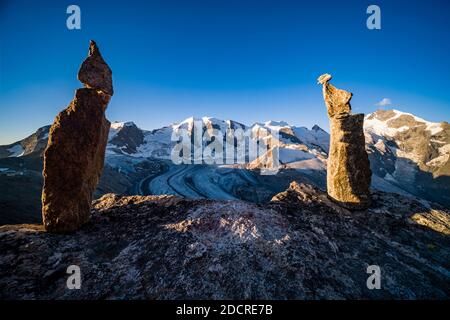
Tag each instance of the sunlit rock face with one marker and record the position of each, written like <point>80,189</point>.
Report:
<point>74,157</point>
<point>348,168</point>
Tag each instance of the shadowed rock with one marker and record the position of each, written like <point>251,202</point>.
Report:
<point>73,159</point>
<point>94,72</point>
<point>348,168</point>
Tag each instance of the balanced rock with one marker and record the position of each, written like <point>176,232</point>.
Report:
<point>348,167</point>
<point>95,73</point>
<point>74,157</point>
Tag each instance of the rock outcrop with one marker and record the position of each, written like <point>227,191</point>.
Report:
<point>301,245</point>
<point>74,157</point>
<point>348,168</point>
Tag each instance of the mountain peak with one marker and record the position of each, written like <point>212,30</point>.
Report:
<point>274,123</point>
<point>317,128</point>
<point>393,121</point>
<point>117,125</point>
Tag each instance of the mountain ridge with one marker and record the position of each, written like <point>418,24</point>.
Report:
<point>138,162</point>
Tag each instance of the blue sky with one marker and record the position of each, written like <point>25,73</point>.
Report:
<point>249,61</point>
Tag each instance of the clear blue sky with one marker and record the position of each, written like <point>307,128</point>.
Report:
<point>244,60</point>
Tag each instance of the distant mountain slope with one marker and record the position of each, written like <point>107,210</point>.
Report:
<point>33,144</point>
<point>411,153</point>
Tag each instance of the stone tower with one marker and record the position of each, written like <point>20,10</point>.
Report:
<point>73,159</point>
<point>348,171</point>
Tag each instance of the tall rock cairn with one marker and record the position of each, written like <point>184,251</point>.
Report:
<point>348,172</point>
<point>73,159</point>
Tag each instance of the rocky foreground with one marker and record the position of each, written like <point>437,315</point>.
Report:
<point>299,246</point>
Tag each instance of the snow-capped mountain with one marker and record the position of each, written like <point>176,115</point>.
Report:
<point>408,155</point>
<point>423,142</point>
<point>302,151</point>
<point>127,138</point>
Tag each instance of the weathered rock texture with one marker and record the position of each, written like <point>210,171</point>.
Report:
<point>348,168</point>
<point>73,159</point>
<point>302,245</point>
